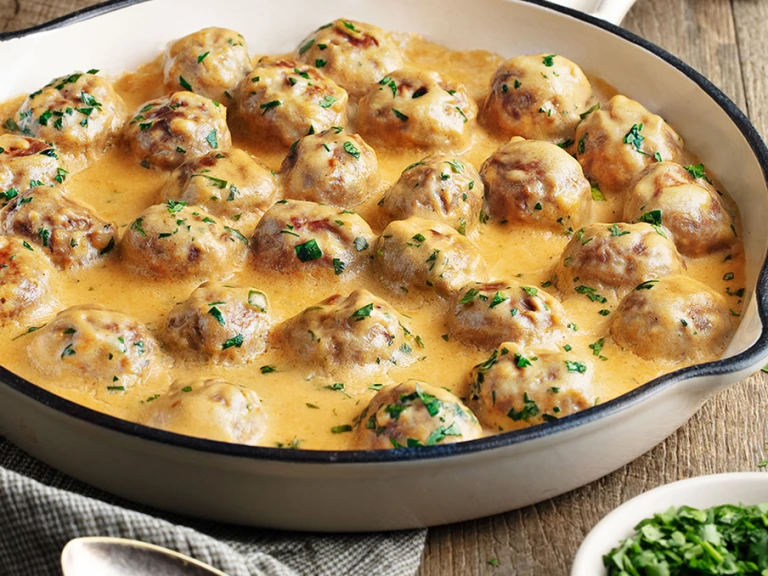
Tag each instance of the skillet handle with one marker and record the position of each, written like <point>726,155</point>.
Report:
<point>612,11</point>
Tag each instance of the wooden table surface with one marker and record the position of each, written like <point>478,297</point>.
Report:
<point>725,40</point>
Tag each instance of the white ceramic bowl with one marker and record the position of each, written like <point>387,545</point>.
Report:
<point>701,492</point>
<point>394,489</point>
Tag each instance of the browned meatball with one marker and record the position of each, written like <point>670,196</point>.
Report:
<point>221,322</point>
<point>536,183</point>
<point>414,414</point>
<point>517,387</point>
<point>25,278</point>
<point>354,54</point>
<point>417,108</point>
<point>232,185</point>
<point>307,238</point>
<point>87,346</point>
<point>612,259</point>
<point>26,162</point>
<point>689,208</point>
<point>168,131</point>
<point>439,188</point>
<point>675,318</point>
<point>486,314</point>
<point>210,62</point>
<point>417,254</point>
<point>80,114</point>
<point>284,100</point>
<point>69,231</point>
<point>347,332</point>
<point>614,144</point>
<point>173,240</point>
<point>540,97</point>
<point>209,408</point>
<point>332,167</point>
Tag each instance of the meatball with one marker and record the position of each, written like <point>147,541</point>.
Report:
<point>166,132</point>
<point>69,231</point>
<point>209,408</point>
<point>675,318</point>
<point>485,314</point>
<point>615,144</point>
<point>26,162</point>
<point>173,240</point>
<point>221,322</point>
<point>540,97</point>
<point>210,62</point>
<point>93,345</point>
<point>424,255</point>
<point>414,414</point>
<point>417,108</point>
<point>615,258</point>
<point>536,183</point>
<point>25,277</point>
<point>517,387</point>
<point>689,208</point>
<point>331,167</point>
<point>349,332</point>
<point>80,114</point>
<point>308,238</point>
<point>354,54</point>
<point>284,100</point>
<point>232,185</point>
<point>439,188</point>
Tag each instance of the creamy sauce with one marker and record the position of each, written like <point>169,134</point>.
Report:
<point>298,403</point>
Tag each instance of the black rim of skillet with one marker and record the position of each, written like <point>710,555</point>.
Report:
<point>736,363</point>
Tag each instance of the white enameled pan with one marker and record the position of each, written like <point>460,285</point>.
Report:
<point>360,491</point>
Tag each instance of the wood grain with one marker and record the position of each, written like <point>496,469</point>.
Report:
<point>724,40</point>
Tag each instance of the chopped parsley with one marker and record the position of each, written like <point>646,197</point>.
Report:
<point>362,313</point>
<point>184,84</point>
<point>352,150</point>
<point>308,251</point>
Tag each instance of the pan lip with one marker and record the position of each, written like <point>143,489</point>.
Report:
<point>742,361</point>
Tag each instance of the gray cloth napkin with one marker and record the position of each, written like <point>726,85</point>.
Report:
<point>42,509</point>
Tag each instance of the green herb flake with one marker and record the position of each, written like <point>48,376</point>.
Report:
<point>184,84</point>
<point>400,115</point>
<point>549,61</point>
<point>327,101</point>
<point>308,251</point>
<point>572,366</point>
<point>362,313</point>
<point>352,150</point>
<point>212,140</point>
<point>202,57</point>
<point>236,341</point>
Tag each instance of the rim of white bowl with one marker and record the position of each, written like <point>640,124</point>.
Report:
<point>698,492</point>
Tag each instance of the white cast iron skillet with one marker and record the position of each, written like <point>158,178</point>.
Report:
<point>358,491</point>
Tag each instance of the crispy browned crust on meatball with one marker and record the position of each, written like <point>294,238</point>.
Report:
<point>27,162</point>
<point>90,347</point>
<point>540,97</point>
<point>166,132</point>
<point>81,114</point>
<point>690,209</point>
<point>518,387</point>
<point>210,62</point>
<point>173,240</point>
<point>283,100</point>
<point>354,54</point>
<point>69,231</point>
<point>417,108</point>
<point>299,237</point>
<point>614,144</point>
<point>25,277</point>
<point>333,167</point>
<point>614,258</point>
<point>418,254</point>
<point>231,185</point>
<point>675,318</point>
<point>345,332</point>
<point>414,413</point>
<point>485,314</point>
<point>219,322</point>
<point>439,188</point>
<point>536,183</point>
<point>210,408</point>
